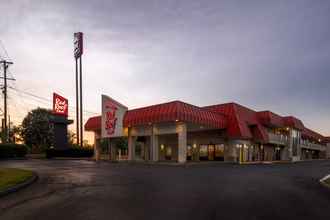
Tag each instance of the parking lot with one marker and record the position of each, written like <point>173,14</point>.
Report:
<point>81,189</point>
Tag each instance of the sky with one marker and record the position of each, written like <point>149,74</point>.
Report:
<point>266,55</point>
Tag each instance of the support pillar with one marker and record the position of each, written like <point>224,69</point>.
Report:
<point>154,145</point>
<point>97,150</point>
<point>182,142</point>
<point>113,153</point>
<point>131,146</point>
<point>155,150</point>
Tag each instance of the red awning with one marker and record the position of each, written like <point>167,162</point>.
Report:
<point>93,124</point>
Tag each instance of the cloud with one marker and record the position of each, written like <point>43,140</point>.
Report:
<point>266,55</point>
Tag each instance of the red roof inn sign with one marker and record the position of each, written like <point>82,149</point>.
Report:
<point>112,117</point>
<point>60,105</point>
<point>78,44</point>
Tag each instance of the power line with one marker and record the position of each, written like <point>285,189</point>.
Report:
<point>4,49</point>
<point>46,99</point>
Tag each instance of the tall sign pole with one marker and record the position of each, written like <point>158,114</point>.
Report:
<point>77,103</point>
<point>78,51</point>
<point>81,107</point>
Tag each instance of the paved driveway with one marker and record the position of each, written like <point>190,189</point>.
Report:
<point>87,190</point>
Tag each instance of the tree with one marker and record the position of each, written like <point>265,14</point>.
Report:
<point>71,138</point>
<point>14,134</point>
<point>121,143</point>
<point>37,131</point>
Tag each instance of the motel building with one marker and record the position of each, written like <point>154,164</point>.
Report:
<point>181,132</point>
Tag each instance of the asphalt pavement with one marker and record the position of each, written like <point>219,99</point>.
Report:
<point>81,189</point>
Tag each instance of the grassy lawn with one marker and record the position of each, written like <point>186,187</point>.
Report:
<point>10,177</point>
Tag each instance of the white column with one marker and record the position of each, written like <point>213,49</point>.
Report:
<point>154,144</point>
<point>182,142</point>
<point>113,149</point>
<point>97,150</point>
<point>131,146</point>
<point>155,148</point>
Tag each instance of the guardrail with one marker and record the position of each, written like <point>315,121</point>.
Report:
<point>312,146</point>
<point>278,138</point>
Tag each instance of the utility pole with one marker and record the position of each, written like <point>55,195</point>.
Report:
<point>5,66</point>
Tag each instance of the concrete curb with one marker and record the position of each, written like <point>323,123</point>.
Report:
<point>322,181</point>
<point>175,164</point>
<point>20,186</point>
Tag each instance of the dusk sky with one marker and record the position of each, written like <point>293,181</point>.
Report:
<point>266,55</point>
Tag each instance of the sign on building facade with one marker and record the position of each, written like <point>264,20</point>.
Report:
<point>112,117</point>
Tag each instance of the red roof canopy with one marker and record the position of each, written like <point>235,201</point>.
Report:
<point>270,119</point>
<point>308,133</point>
<point>171,112</point>
<point>240,122</point>
<point>293,122</point>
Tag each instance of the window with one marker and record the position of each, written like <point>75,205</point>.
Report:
<point>168,153</point>
<point>295,142</point>
<point>219,150</point>
<point>189,151</point>
<point>203,151</point>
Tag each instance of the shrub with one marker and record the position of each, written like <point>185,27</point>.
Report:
<point>71,152</point>
<point>13,150</point>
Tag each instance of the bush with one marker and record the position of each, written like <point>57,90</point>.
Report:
<point>13,150</point>
<point>71,152</point>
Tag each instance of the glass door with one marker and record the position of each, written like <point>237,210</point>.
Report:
<point>211,151</point>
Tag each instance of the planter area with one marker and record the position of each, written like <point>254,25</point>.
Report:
<point>12,179</point>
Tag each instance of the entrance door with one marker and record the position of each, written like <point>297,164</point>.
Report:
<point>219,152</point>
<point>278,153</point>
<point>211,151</point>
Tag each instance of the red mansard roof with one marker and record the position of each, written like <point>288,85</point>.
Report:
<point>167,112</point>
<point>308,133</point>
<point>270,119</point>
<point>291,121</point>
<point>171,112</point>
<point>240,122</point>
<point>327,139</point>
<point>239,119</point>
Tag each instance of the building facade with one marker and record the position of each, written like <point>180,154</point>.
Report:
<point>181,132</point>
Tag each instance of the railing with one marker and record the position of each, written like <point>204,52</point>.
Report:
<point>313,146</point>
<point>278,138</point>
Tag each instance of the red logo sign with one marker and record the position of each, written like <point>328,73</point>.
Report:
<point>78,44</point>
<point>111,119</point>
<point>60,105</point>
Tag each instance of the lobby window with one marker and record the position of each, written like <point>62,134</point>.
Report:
<point>189,152</point>
<point>203,151</point>
<point>168,153</point>
<point>295,141</point>
<point>219,151</point>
